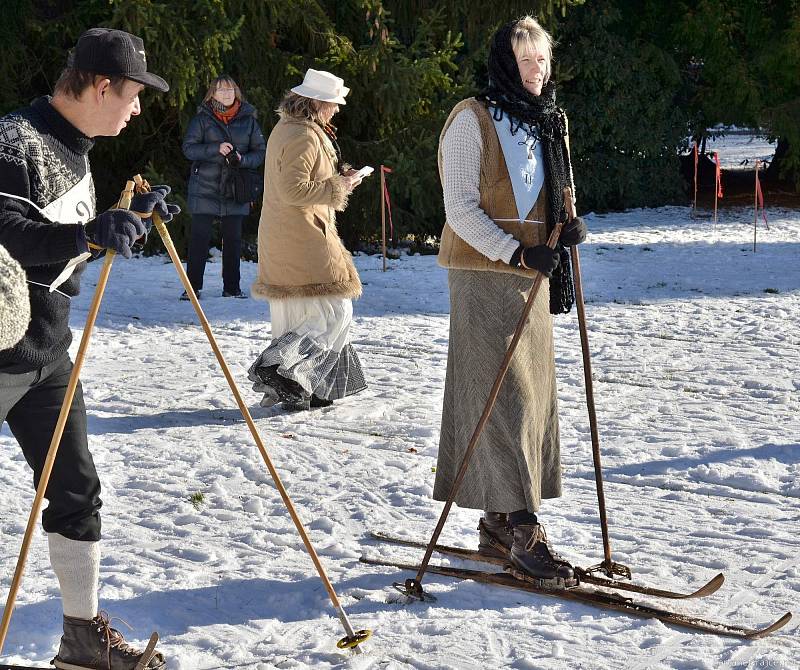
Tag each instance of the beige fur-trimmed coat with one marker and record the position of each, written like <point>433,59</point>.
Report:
<point>299,250</point>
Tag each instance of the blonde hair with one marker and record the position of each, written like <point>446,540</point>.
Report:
<point>300,107</point>
<point>223,79</point>
<point>528,36</point>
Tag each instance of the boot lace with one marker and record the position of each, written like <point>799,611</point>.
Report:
<point>112,637</point>
<point>540,535</point>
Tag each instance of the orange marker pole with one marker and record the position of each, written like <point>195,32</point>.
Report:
<point>383,215</point>
<point>694,205</point>
<point>755,199</point>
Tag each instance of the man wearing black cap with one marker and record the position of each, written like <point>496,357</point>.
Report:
<point>47,222</point>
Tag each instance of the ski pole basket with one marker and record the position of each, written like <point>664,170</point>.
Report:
<point>357,638</point>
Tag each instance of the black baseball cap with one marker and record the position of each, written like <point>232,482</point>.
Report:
<point>114,52</point>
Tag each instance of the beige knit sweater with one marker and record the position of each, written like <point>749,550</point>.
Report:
<point>461,166</point>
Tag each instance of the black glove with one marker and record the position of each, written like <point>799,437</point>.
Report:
<point>541,258</point>
<point>116,229</point>
<point>573,232</point>
<point>146,203</point>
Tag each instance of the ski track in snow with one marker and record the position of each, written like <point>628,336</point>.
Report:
<point>696,386</point>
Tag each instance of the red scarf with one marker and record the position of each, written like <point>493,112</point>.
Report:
<point>226,116</point>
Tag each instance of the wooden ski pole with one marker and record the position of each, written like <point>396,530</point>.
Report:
<point>353,638</point>
<point>124,202</point>
<point>413,587</point>
<point>609,567</point>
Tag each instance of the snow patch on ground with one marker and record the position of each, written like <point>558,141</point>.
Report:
<point>696,378</point>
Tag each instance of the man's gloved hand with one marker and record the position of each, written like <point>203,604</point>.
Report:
<point>541,258</point>
<point>147,203</point>
<point>573,232</point>
<point>116,229</point>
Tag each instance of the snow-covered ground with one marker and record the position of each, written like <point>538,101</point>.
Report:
<point>696,354</point>
<point>737,151</point>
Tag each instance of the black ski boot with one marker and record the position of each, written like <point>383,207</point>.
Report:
<point>533,556</point>
<point>495,535</point>
<point>316,402</point>
<point>287,390</point>
<point>92,644</point>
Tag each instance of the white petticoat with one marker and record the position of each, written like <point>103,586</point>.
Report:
<point>311,346</point>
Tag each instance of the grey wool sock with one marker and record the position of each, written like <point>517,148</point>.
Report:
<point>77,566</point>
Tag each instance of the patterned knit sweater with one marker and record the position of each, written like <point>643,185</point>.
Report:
<point>42,157</point>
<point>461,167</point>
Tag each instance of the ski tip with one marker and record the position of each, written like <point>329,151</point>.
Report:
<point>763,632</point>
<point>712,586</point>
<point>148,653</point>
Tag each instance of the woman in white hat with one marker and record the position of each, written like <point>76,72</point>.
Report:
<point>304,271</point>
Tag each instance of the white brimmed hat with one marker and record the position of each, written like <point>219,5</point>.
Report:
<point>323,86</point>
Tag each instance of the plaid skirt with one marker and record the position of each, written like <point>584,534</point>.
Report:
<point>311,346</point>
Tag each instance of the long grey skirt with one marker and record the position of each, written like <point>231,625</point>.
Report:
<point>517,460</point>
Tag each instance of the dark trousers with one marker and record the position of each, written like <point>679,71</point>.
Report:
<point>30,402</point>
<point>231,250</point>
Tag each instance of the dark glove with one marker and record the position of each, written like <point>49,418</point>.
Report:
<point>116,229</point>
<point>573,232</point>
<point>233,159</point>
<point>541,258</point>
<point>153,201</point>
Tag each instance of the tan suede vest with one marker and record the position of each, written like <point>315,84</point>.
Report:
<point>497,200</point>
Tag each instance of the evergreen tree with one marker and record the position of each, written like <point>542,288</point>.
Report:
<point>739,61</point>
<point>635,76</point>
<point>620,92</point>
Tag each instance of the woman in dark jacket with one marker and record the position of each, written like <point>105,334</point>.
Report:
<point>224,131</point>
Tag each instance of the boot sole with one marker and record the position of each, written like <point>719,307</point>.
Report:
<point>543,582</point>
<point>146,657</point>
<point>69,666</point>
<point>61,665</point>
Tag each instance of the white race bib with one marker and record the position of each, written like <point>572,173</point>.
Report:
<point>74,206</point>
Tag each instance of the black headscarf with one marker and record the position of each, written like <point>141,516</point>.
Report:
<point>507,95</point>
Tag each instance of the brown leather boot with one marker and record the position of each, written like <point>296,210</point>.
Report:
<point>92,644</point>
<point>495,535</point>
<point>532,554</point>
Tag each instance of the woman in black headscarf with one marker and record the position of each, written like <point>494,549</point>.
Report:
<point>504,164</point>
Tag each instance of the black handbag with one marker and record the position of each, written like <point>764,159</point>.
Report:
<point>243,185</point>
